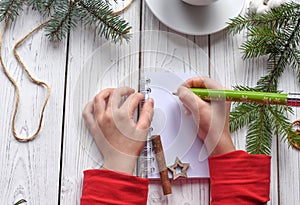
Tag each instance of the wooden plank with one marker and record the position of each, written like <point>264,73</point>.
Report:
<point>285,161</point>
<point>288,157</point>
<point>31,170</point>
<point>164,49</point>
<point>231,70</point>
<point>93,64</point>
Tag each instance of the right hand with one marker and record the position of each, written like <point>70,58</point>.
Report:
<point>212,117</point>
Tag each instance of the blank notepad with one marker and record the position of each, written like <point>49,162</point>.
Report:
<point>178,131</point>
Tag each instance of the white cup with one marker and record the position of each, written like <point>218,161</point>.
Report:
<point>199,2</point>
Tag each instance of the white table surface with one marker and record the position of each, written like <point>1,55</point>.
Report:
<point>49,170</point>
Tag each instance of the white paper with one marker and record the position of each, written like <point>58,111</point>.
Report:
<point>178,131</point>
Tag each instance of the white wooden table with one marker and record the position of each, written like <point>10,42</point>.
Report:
<point>49,170</point>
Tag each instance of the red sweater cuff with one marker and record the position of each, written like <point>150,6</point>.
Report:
<point>109,187</point>
<point>239,178</point>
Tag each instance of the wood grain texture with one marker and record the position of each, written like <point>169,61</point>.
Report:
<point>231,70</point>
<point>94,64</point>
<point>288,157</point>
<point>167,50</point>
<point>31,170</point>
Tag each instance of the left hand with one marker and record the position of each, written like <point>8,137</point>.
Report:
<point>111,122</point>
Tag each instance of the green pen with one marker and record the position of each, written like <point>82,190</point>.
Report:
<point>291,99</point>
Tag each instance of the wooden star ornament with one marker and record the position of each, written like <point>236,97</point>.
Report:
<point>182,166</point>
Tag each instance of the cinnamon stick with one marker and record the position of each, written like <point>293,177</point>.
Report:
<point>161,164</point>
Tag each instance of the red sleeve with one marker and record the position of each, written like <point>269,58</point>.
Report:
<point>239,178</point>
<point>108,187</point>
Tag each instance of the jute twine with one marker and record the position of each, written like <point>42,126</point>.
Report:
<point>34,80</point>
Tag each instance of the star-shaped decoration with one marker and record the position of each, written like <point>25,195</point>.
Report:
<point>182,166</point>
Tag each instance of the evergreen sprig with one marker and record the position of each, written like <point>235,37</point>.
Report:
<point>99,13</point>
<point>243,113</point>
<point>61,22</point>
<point>259,136</point>
<point>276,36</point>
<point>9,9</point>
<point>45,7</point>
<point>277,17</point>
<point>264,122</point>
<point>66,14</point>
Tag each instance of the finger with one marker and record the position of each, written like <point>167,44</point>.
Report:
<point>101,101</point>
<point>88,116</point>
<point>186,111</point>
<point>88,112</point>
<point>146,115</point>
<point>115,99</point>
<point>195,82</point>
<point>202,82</point>
<point>132,103</point>
<point>190,100</point>
<point>92,125</point>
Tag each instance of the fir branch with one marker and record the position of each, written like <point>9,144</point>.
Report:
<point>259,136</point>
<point>35,4</point>
<point>61,22</point>
<point>285,14</point>
<point>64,15</point>
<point>274,34</point>
<point>9,9</point>
<point>100,14</point>
<point>50,6</point>
<point>241,115</point>
<point>262,42</point>
<point>295,58</point>
<point>280,122</point>
<point>264,121</point>
<point>279,59</point>
<point>276,66</point>
<point>45,7</point>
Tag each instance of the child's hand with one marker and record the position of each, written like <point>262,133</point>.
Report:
<point>111,123</point>
<point>211,117</point>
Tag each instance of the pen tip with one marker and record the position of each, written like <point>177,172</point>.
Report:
<point>174,93</point>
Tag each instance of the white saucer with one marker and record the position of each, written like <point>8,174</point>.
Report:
<point>195,20</point>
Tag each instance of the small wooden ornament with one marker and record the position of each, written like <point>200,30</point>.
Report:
<point>295,144</point>
<point>118,10</point>
<point>182,166</point>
